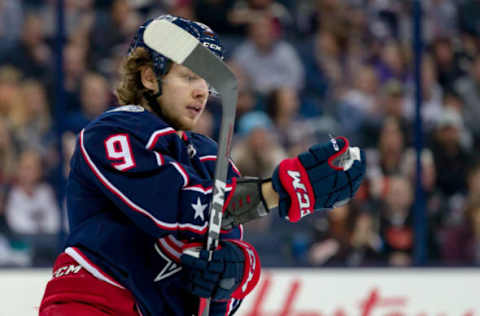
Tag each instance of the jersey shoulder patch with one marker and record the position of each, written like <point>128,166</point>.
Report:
<point>128,108</point>
<point>204,144</point>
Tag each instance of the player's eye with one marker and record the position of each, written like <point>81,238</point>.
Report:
<point>190,77</point>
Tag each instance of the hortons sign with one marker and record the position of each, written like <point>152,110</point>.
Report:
<point>365,292</point>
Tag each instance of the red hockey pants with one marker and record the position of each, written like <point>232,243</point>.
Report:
<point>73,291</point>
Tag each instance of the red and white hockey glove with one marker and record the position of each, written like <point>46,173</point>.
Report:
<point>324,177</point>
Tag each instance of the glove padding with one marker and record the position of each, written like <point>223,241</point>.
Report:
<point>246,203</point>
<point>217,278</point>
<point>326,176</point>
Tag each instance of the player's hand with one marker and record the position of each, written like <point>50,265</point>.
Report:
<point>246,203</point>
<point>217,278</point>
<point>324,177</point>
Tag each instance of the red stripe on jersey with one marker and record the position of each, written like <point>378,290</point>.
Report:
<point>156,135</point>
<point>159,157</point>
<point>234,167</point>
<point>175,244</point>
<point>213,157</point>
<point>199,188</point>
<point>184,174</point>
<point>168,250</point>
<point>171,247</point>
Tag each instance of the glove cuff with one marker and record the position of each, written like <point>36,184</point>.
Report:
<point>283,197</point>
<point>335,161</point>
<point>293,179</point>
<point>251,270</point>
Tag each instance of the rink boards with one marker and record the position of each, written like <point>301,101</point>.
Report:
<point>319,292</point>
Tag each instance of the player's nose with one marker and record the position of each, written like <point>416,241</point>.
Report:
<point>200,90</point>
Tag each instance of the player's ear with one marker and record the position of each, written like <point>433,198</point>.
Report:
<point>149,80</point>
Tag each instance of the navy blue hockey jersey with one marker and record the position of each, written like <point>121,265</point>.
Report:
<point>137,192</point>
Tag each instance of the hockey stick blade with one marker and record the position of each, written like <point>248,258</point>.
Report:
<point>180,46</point>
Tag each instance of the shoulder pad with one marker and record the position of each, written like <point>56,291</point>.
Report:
<point>131,119</point>
<point>128,108</point>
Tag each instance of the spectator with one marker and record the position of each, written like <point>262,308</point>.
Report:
<point>331,16</point>
<point>268,61</point>
<point>453,102</point>
<point>320,58</point>
<point>386,159</point>
<point>7,166</point>
<point>31,205</point>
<point>323,59</point>
<point>467,235</point>
<point>467,88</point>
<point>432,94</point>
<point>11,19</point>
<point>35,125</point>
<point>448,62</point>
<point>473,181</point>
<point>392,63</point>
<point>31,55</point>
<point>247,100</point>
<point>365,242</point>
<point>79,18</point>
<point>75,65</point>
<point>331,238</point>
<point>451,159</point>
<point>396,222</point>
<point>359,105</point>
<point>440,19</point>
<point>466,231</point>
<point>283,106</point>
<point>245,12</point>
<point>111,29</point>
<point>11,99</point>
<point>94,97</point>
<point>257,153</point>
<point>393,100</point>
<point>347,237</point>
<point>408,169</point>
<point>390,103</point>
<point>182,8</point>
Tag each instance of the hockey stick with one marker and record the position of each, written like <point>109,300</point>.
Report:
<point>183,48</point>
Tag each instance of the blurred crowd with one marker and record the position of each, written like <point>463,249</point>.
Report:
<point>306,69</point>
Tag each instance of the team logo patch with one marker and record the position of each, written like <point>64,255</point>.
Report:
<point>128,108</point>
<point>169,268</point>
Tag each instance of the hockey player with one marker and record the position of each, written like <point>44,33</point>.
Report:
<point>138,195</point>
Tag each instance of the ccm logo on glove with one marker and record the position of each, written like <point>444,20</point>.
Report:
<point>294,180</point>
<point>301,190</point>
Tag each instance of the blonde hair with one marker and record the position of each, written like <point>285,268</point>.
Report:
<point>12,105</point>
<point>7,152</point>
<point>130,89</point>
<point>42,116</point>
